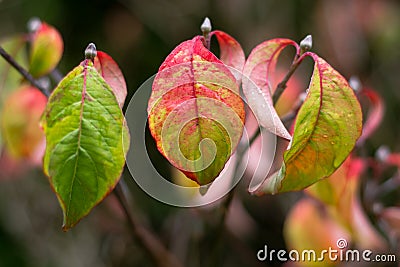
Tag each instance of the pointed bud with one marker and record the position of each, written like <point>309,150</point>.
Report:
<point>90,51</point>
<point>306,43</point>
<point>382,153</point>
<point>34,24</point>
<point>355,83</point>
<point>206,26</point>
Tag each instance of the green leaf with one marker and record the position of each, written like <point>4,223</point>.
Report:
<point>86,142</point>
<point>257,87</point>
<point>195,111</point>
<point>327,127</point>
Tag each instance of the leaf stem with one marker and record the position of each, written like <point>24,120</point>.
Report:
<point>152,245</point>
<point>23,72</point>
<point>283,84</point>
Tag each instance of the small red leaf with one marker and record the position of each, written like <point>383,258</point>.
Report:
<point>231,53</point>
<point>374,116</point>
<point>112,74</point>
<point>257,87</point>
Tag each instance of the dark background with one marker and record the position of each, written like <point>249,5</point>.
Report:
<point>357,37</point>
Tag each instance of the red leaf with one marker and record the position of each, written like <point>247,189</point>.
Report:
<point>112,74</point>
<point>374,116</point>
<point>231,53</point>
<point>195,100</point>
<point>46,50</point>
<point>257,87</point>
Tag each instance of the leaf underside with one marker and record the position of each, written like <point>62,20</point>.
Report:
<point>256,84</point>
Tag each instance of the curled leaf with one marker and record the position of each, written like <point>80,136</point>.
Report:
<point>195,112</point>
<point>231,52</point>
<point>112,74</point>
<point>46,50</point>
<point>86,140</point>
<point>375,114</point>
<point>257,86</point>
<point>327,127</point>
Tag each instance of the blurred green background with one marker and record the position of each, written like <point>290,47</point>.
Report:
<point>357,37</point>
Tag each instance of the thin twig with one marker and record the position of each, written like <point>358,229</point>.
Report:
<point>153,246</point>
<point>22,71</point>
<point>283,84</point>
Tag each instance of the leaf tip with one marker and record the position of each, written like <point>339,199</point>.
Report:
<point>90,51</point>
<point>206,26</point>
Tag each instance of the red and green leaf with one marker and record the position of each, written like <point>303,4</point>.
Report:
<point>20,118</point>
<point>112,74</point>
<point>257,86</point>
<point>308,226</point>
<point>326,129</point>
<point>10,79</point>
<point>46,50</point>
<point>195,111</point>
<point>86,141</point>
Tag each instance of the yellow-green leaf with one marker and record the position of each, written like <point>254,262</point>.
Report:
<point>327,127</point>
<point>86,141</point>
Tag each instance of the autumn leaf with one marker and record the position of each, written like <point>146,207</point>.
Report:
<point>20,118</point>
<point>339,195</point>
<point>375,114</point>
<point>195,112</point>
<point>86,141</point>
<point>326,129</point>
<point>307,227</point>
<point>257,86</point>
<point>112,74</point>
<point>231,52</point>
<point>46,50</point>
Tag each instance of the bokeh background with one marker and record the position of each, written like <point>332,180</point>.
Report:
<point>359,38</point>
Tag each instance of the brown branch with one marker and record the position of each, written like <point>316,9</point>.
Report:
<point>22,71</point>
<point>150,243</point>
<point>280,88</point>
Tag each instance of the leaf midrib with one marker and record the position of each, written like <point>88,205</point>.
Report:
<point>79,137</point>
